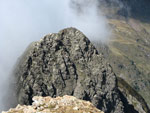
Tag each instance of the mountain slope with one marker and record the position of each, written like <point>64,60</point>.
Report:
<point>129,48</point>
<point>128,53</point>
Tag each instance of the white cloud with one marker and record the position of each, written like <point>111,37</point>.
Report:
<point>24,21</point>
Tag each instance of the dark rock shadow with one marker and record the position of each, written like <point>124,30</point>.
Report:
<point>137,9</point>
<point>128,108</point>
<point>124,9</point>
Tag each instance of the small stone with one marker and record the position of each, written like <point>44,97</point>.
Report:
<point>75,108</point>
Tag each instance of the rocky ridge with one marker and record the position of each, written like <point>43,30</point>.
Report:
<point>65,104</point>
<point>67,63</point>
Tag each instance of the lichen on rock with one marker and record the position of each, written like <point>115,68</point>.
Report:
<point>65,104</point>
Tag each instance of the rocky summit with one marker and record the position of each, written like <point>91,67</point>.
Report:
<point>67,63</point>
<point>65,104</point>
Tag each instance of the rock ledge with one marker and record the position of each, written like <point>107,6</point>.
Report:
<point>65,104</point>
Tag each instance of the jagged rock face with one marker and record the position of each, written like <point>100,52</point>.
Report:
<point>66,63</point>
<point>67,104</point>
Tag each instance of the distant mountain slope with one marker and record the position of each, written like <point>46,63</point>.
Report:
<point>124,9</point>
<point>129,53</point>
<point>129,49</point>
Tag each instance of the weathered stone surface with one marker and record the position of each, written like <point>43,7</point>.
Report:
<point>65,104</point>
<point>66,63</point>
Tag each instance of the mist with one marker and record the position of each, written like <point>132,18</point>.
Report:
<point>25,21</point>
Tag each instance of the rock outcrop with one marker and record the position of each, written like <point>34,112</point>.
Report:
<point>65,104</point>
<point>67,63</point>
